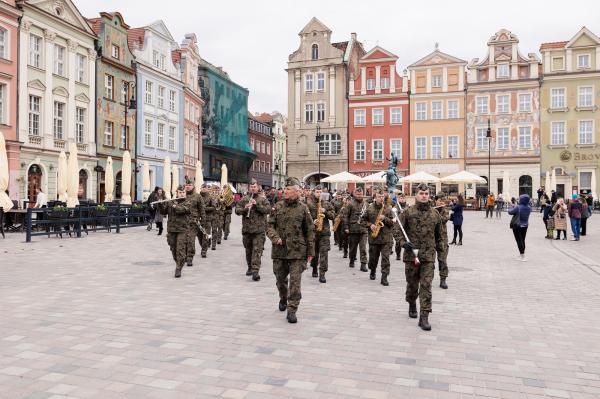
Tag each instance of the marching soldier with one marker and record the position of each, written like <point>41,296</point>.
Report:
<point>291,230</point>
<point>219,216</point>
<point>338,203</point>
<point>423,227</point>
<point>322,238</point>
<point>442,250</point>
<point>254,209</point>
<point>179,221</point>
<point>379,216</point>
<point>356,232</point>
<point>208,223</point>
<point>197,215</point>
<point>227,211</point>
<point>401,206</point>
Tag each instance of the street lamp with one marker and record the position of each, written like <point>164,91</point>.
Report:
<point>318,138</point>
<point>489,137</point>
<point>130,103</point>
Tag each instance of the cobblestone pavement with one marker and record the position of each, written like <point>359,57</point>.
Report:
<point>103,317</point>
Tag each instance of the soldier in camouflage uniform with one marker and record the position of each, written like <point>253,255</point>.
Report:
<point>338,203</point>
<point>291,230</point>
<point>227,211</point>
<point>423,226</point>
<point>357,232</point>
<point>196,206</point>
<point>179,221</point>
<point>219,217</point>
<point>442,250</point>
<point>254,209</point>
<point>382,244</point>
<point>343,235</point>
<point>323,237</point>
<point>401,206</point>
<point>209,209</point>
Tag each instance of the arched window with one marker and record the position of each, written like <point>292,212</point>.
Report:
<point>34,181</point>
<point>315,52</point>
<point>83,179</point>
<point>302,145</point>
<point>525,185</point>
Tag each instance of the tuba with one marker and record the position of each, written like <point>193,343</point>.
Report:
<point>320,217</point>
<point>226,197</point>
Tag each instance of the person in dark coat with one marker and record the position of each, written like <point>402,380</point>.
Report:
<point>152,209</point>
<point>523,210</point>
<point>457,219</point>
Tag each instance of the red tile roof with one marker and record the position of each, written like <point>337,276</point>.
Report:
<point>552,45</point>
<point>135,35</point>
<point>95,24</point>
<point>176,56</point>
<point>340,45</point>
<point>264,117</point>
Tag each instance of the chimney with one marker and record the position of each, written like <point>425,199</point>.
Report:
<point>353,36</point>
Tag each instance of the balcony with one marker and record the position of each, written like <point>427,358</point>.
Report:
<point>35,140</point>
<point>82,147</point>
<point>60,144</point>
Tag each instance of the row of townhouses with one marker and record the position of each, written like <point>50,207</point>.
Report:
<point>504,116</point>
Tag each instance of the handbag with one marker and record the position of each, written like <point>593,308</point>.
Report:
<point>514,221</point>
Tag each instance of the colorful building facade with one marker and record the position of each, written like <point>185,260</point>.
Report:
<point>279,149</point>
<point>260,137</point>
<point>378,112</point>
<point>570,119</point>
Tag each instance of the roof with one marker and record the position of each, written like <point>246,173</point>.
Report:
<point>264,117</point>
<point>549,45</point>
<point>340,45</point>
<point>135,37</point>
<point>176,56</point>
<point>95,24</point>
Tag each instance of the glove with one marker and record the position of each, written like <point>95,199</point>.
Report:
<point>408,246</point>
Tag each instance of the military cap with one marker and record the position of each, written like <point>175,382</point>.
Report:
<point>422,187</point>
<point>401,195</point>
<point>204,185</point>
<point>180,188</point>
<point>292,181</point>
<point>358,190</point>
<point>318,187</point>
<point>253,181</point>
<point>188,180</point>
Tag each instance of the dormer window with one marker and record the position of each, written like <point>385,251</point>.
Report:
<point>502,71</point>
<point>115,51</point>
<point>315,52</point>
<point>436,81</point>
<point>583,61</point>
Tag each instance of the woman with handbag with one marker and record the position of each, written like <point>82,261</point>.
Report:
<point>520,222</point>
<point>560,218</point>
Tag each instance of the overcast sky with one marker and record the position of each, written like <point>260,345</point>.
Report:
<point>251,40</point>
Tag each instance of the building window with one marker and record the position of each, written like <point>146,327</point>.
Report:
<point>108,133</point>
<point>160,136</point>
<point>585,181</point>
<point>59,117</point>
<point>172,100</point>
<point>557,98</point>
<point>262,147</point>
<point>108,87</point>
<point>308,113</point>
<point>370,84</point>
<point>148,133</point>
<point>314,52</point>
<point>268,149</point>
<point>385,83</point>
<point>436,81</point>
<point>524,102</point>
<point>436,110</point>
<point>586,132</point>
<point>115,51</point>
<point>421,147</point>
<point>125,137</point>
<point>155,59</point>
<point>308,82</point>
<point>359,117</point>
<point>502,104</point>
<point>452,109</point>
<point>377,115</point>
<point>396,147</point>
<point>396,116</point>
<point>59,60</point>
<point>421,111</point>
<point>502,71</point>
<point>583,61</point>
<point>192,145</point>
<point>163,58</point>
<point>377,150</point>
<point>481,105</point>
<point>320,112</point>
<point>436,147</point>
<point>35,55</point>
<point>80,67</point>
<point>452,146</point>
<point>172,137</point>
<point>330,144</point>
<point>79,124</point>
<point>148,92</point>
<point>252,144</point>
<point>525,137</point>
<point>3,103</point>
<point>161,97</point>
<point>481,141</point>
<point>34,115</point>
<point>320,81</point>
<point>558,136</point>
<point>3,41</point>
<point>558,63</point>
<point>502,138</point>
<point>584,98</point>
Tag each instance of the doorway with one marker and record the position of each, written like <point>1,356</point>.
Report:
<point>34,181</point>
<point>83,180</point>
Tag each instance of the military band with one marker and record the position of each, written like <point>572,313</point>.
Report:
<point>322,212</point>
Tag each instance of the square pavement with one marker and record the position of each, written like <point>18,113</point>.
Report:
<point>103,317</point>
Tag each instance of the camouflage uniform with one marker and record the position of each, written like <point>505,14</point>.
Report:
<point>424,229</point>
<point>357,233</point>
<point>218,224</point>
<point>443,247</point>
<point>290,222</point>
<point>322,238</point>
<point>338,203</point>
<point>382,244</point>
<point>179,221</point>
<point>253,228</point>
<point>196,205</point>
<point>209,209</point>
<point>227,219</point>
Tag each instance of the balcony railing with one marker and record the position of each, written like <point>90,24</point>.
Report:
<point>60,144</point>
<point>82,147</point>
<point>35,140</point>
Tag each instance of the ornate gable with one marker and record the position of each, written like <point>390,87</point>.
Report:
<point>503,36</point>
<point>37,84</point>
<point>314,25</point>
<point>584,38</point>
<point>160,27</point>
<point>60,91</point>
<point>65,10</point>
<point>82,97</point>
<point>378,53</point>
<point>437,58</point>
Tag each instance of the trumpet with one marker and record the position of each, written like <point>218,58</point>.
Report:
<point>249,209</point>
<point>166,200</point>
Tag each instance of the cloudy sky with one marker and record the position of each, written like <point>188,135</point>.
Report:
<point>252,39</point>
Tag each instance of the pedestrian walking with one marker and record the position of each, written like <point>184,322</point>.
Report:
<point>560,218</point>
<point>585,214</point>
<point>158,216</point>
<point>548,220</point>
<point>575,210</point>
<point>151,209</point>
<point>499,206</point>
<point>489,205</point>
<point>457,219</point>
<point>520,222</point>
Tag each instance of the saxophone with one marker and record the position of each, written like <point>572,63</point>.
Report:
<point>338,219</point>
<point>320,217</point>
<point>378,223</point>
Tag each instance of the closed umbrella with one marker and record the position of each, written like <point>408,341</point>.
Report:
<point>553,180</point>
<point>73,183</point>
<point>167,177</point>
<point>146,181</point>
<point>126,179</point>
<point>506,185</point>
<point>223,175</point>
<point>199,177</point>
<point>548,183</point>
<point>109,181</point>
<point>5,201</point>
<point>175,180</point>
<point>61,178</point>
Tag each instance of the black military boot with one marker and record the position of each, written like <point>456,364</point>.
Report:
<point>345,253</point>
<point>203,254</point>
<point>443,283</point>
<point>225,237</point>
<point>177,272</point>
<point>424,322</point>
<point>255,276</point>
<point>282,305</point>
<point>351,263</point>
<point>372,275</point>
<point>322,278</point>
<point>291,317</point>
<point>412,310</point>
<point>363,267</point>
<point>249,271</point>
<point>190,263</point>
<point>213,248</point>
<point>315,273</point>
<point>398,256</point>
<point>384,281</point>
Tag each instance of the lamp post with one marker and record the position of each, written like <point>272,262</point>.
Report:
<point>318,141</point>
<point>130,103</point>
<point>489,137</point>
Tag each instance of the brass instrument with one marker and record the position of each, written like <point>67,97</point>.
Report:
<point>378,223</point>
<point>226,196</point>
<point>249,209</point>
<point>166,200</point>
<point>320,217</point>
<point>338,218</point>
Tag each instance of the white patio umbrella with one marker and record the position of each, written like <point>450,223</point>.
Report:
<point>547,183</point>
<point>506,185</point>
<point>5,203</point>
<point>419,177</point>
<point>167,178</point>
<point>342,177</point>
<point>109,181</point>
<point>73,179</point>
<point>146,181</point>
<point>462,177</point>
<point>199,177</point>
<point>553,180</point>
<point>175,182</point>
<point>223,175</point>
<point>61,184</point>
<point>377,177</point>
<point>126,179</point>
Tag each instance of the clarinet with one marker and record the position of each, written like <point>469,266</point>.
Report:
<point>249,209</point>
